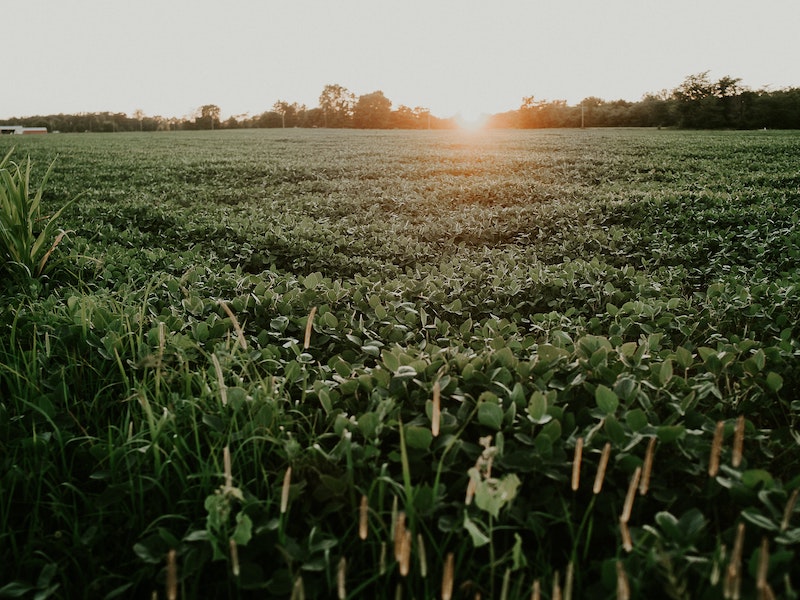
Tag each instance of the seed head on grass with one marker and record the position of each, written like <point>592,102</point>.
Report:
<point>576,464</point>
<point>309,325</point>
<point>447,577</point>
<point>423,561</point>
<point>287,482</point>
<point>172,575</point>
<point>716,449</point>
<point>628,506</point>
<point>363,518</point>
<point>234,548</point>
<point>341,579</point>
<point>399,535</point>
<point>405,553</point>
<point>556,595</point>
<point>733,575</point>
<point>625,534</point>
<point>601,468</point>
<point>536,590</point>
<point>647,468</point>
<point>437,409</point>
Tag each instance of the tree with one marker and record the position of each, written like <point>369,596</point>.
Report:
<point>337,104</point>
<point>207,116</point>
<point>372,111</point>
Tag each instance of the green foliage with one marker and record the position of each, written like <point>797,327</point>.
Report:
<point>616,288</point>
<point>25,244</point>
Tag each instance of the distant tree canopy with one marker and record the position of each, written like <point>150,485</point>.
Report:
<point>697,103</point>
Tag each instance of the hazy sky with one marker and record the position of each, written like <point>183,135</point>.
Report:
<point>167,57</point>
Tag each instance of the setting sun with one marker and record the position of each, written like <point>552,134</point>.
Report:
<point>471,120</point>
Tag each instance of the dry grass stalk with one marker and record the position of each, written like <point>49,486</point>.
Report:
<point>399,535</point>
<point>716,449</point>
<point>623,585</point>
<point>625,534</point>
<point>733,577</point>
<point>223,389</point>
<point>238,328</point>
<point>557,586</point>
<point>309,324</point>
<point>628,506</point>
<point>405,553</point>
<point>576,464</point>
<point>363,520</point>
<point>601,468</point>
<point>287,482</point>
<point>423,561</point>
<point>447,577</point>
<point>172,575</point>
<point>763,567</point>
<point>234,557</point>
<point>341,579</point>
<point>787,512</point>
<point>536,590</point>
<point>437,409</point>
<point>568,580</point>
<point>226,465</point>
<point>738,442</point>
<point>647,468</point>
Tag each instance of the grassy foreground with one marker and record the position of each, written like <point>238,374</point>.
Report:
<point>407,364</point>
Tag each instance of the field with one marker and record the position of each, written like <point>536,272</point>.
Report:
<point>318,364</point>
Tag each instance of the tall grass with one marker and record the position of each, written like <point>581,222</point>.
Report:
<point>27,237</point>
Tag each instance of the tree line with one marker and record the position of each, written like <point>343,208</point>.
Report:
<point>697,103</point>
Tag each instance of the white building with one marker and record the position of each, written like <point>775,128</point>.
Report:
<point>20,130</point>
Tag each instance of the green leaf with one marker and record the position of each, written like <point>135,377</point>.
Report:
<point>614,430</point>
<point>670,433</point>
<point>759,520</point>
<point>491,495</point>
<point>774,381</point>
<point>479,538</point>
<point>636,419</point>
<point>390,361</point>
<point>490,414</point>
<point>665,373</point>
<point>537,408</point>
<point>368,424</point>
<point>753,477</point>
<point>607,400</point>
<point>15,589</point>
<point>417,437</point>
<point>244,529</point>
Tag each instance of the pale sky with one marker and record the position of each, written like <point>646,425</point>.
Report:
<point>168,57</point>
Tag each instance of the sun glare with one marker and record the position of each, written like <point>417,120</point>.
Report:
<point>471,121</point>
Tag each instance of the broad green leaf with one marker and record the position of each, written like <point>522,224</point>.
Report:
<point>636,419</point>
<point>665,372</point>
<point>607,400</point>
<point>774,381</point>
<point>537,407</point>
<point>753,477</point>
<point>244,529</point>
<point>490,414</point>
<point>418,437</point>
<point>670,433</point>
<point>614,430</point>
